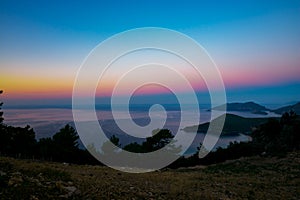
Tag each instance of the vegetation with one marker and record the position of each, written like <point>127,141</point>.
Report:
<point>20,142</point>
<point>160,138</point>
<point>233,125</point>
<point>275,137</point>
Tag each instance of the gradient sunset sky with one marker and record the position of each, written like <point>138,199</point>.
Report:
<point>255,44</point>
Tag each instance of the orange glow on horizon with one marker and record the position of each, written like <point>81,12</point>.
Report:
<point>48,85</point>
<point>18,86</point>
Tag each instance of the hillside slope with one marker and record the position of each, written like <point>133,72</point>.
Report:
<point>246,178</point>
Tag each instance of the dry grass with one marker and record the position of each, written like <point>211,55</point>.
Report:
<point>247,178</point>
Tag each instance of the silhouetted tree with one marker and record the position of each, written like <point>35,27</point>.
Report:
<point>134,147</point>
<point>290,133</point>
<point>18,141</point>
<point>45,149</point>
<point>4,137</point>
<point>115,140</point>
<point>107,149</point>
<point>67,137</point>
<point>287,117</point>
<point>160,138</point>
<point>277,137</point>
<point>66,144</point>
<point>1,113</point>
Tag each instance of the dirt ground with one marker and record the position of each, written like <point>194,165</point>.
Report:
<point>246,178</point>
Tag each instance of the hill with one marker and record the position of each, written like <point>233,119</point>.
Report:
<point>233,125</point>
<point>246,178</point>
<point>295,108</point>
<point>244,107</point>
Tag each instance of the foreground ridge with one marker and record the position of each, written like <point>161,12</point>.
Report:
<point>250,178</point>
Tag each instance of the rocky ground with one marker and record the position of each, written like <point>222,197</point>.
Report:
<point>246,178</point>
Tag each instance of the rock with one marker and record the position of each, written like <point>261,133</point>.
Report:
<point>40,175</point>
<point>150,193</point>
<point>59,185</point>
<point>36,181</point>
<point>71,190</point>
<point>15,180</point>
<point>16,174</point>
<point>63,196</point>
<point>32,197</point>
<point>70,183</point>
<point>2,173</point>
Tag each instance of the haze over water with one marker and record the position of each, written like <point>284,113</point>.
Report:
<point>46,122</point>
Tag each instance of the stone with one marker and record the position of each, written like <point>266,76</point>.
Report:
<point>15,180</point>
<point>71,190</point>
<point>2,173</point>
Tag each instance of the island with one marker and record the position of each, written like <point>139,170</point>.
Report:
<point>233,126</point>
<point>250,106</point>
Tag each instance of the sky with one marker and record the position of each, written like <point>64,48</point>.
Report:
<point>255,44</point>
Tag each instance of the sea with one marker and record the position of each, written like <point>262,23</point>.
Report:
<point>48,121</point>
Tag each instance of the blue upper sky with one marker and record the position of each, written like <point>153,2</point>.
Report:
<point>260,38</point>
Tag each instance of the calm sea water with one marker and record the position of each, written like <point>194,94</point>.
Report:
<point>46,122</point>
